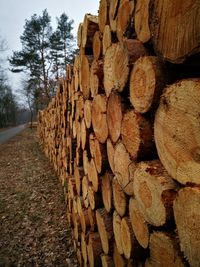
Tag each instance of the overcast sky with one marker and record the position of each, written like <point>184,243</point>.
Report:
<point>14,12</point>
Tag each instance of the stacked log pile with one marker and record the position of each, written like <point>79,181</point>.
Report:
<point>123,134</point>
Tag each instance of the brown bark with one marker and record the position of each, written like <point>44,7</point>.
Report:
<point>105,229</point>
<point>147,80</point>
<point>99,121</point>
<point>141,19</point>
<point>154,191</point>
<point>176,130</point>
<point>137,135</point>
<point>187,218</point>
<point>171,25</point>
<point>106,189</point>
<point>114,116</point>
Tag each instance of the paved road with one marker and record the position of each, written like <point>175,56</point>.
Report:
<point>7,134</point>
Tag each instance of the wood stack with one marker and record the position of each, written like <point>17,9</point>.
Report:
<point>123,134</point>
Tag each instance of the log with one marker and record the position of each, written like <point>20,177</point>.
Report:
<point>154,191</point>
<point>178,143</point>
<point>85,162</point>
<point>105,229</point>
<point>114,116</point>
<point>187,218</point>
<point>115,68</point>
<point>84,135</point>
<point>119,198</point>
<point>97,45</point>
<point>107,261</point>
<point>125,20</point>
<point>85,75</point>
<point>107,39</point>
<point>99,121</point>
<point>117,232</point>
<point>92,219</point>
<point>139,225</point>
<point>90,26</point>
<point>95,199</point>
<point>137,135</point>
<point>100,156</point>
<point>93,176</point>
<point>147,80</point>
<point>96,77</point>
<point>94,250</point>
<point>129,242</point>
<point>79,34</point>
<point>121,168</point>
<point>119,261</point>
<point>113,9</point>
<point>84,248</point>
<point>164,250</point>
<point>85,188</point>
<point>103,14</point>
<point>106,189</point>
<point>78,175</point>
<point>87,113</point>
<point>171,25</point>
<point>141,19</point>
<point>110,153</point>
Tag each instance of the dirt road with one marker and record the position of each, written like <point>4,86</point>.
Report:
<point>7,134</point>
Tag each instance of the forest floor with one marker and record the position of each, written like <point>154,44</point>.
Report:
<point>33,222</point>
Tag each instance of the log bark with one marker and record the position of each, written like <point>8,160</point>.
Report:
<point>141,19</point>
<point>106,189</point>
<point>114,116</point>
<point>171,25</point>
<point>105,229</point>
<point>139,225</point>
<point>125,20</point>
<point>119,198</point>
<point>121,168</point>
<point>164,250</point>
<point>99,121</point>
<point>176,131</point>
<point>117,232</point>
<point>187,218</point>
<point>154,191</point>
<point>94,250</point>
<point>147,80</point>
<point>137,135</point>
